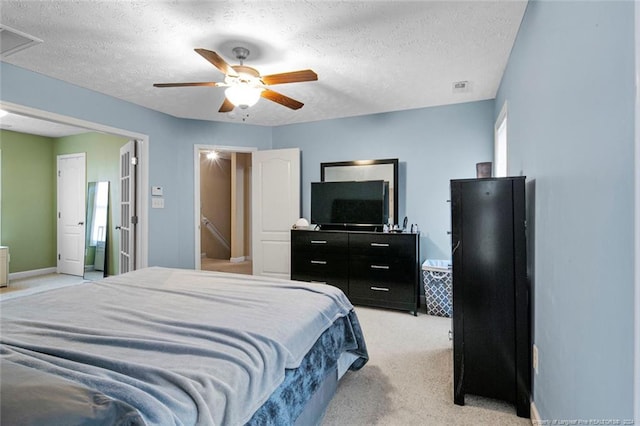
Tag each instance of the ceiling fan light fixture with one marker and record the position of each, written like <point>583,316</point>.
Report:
<point>243,96</point>
<point>245,85</point>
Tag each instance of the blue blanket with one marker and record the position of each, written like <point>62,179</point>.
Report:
<point>289,399</point>
<point>182,347</point>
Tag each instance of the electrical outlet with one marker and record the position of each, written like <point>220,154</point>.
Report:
<point>535,358</point>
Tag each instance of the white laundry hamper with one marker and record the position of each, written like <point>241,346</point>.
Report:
<point>438,287</point>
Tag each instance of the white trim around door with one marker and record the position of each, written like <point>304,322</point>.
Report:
<point>197,149</point>
<point>71,191</point>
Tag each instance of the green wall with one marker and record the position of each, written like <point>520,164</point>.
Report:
<point>28,200</point>
<point>29,193</point>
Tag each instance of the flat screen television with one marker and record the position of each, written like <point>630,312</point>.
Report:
<point>361,205</point>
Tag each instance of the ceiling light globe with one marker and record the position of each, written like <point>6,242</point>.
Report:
<point>243,96</point>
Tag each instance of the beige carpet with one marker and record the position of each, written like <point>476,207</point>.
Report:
<point>41,281</point>
<point>409,378</point>
<point>221,265</point>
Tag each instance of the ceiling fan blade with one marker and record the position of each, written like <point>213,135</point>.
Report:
<point>226,106</point>
<point>207,83</point>
<point>281,99</point>
<point>290,77</point>
<point>217,61</point>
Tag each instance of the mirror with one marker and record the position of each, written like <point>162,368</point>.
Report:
<point>95,259</point>
<point>386,170</point>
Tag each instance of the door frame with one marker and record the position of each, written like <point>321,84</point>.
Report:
<point>269,235</point>
<point>197,149</point>
<point>142,196</point>
<point>82,194</point>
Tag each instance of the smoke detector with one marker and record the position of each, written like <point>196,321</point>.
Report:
<point>461,86</point>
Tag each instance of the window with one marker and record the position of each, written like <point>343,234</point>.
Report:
<point>500,144</point>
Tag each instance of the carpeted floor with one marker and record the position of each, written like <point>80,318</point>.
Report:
<point>41,281</point>
<point>409,378</point>
<point>221,265</point>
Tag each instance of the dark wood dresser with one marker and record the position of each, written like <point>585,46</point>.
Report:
<point>371,268</point>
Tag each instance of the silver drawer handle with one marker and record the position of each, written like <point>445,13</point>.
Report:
<point>379,289</point>
<point>318,242</point>
<point>379,267</point>
<point>379,245</point>
<point>319,262</point>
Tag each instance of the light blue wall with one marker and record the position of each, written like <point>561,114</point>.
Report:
<point>433,145</point>
<point>171,141</point>
<point>570,91</point>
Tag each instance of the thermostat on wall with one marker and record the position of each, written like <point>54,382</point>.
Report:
<point>156,190</point>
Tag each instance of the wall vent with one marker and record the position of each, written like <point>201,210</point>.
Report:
<point>12,41</point>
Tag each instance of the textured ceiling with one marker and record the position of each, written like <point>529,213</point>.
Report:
<point>370,56</point>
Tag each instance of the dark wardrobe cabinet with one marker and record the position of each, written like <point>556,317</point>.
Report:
<point>491,307</point>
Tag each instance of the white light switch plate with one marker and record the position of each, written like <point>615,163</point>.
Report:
<point>157,203</point>
<point>156,190</point>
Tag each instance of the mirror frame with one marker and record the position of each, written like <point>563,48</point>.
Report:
<point>359,163</point>
<point>93,272</point>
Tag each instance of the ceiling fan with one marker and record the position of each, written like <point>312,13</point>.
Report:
<point>245,85</point>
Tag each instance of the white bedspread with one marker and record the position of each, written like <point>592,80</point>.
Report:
<point>174,342</point>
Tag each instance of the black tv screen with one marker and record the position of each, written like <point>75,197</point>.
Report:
<point>350,204</point>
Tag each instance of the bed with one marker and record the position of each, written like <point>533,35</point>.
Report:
<point>162,346</point>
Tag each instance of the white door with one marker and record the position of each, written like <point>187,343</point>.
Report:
<point>276,207</point>
<point>128,218</point>
<point>71,193</point>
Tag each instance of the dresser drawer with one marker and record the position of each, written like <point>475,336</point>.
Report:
<point>324,269</point>
<point>382,269</point>
<point>335,243</point>
<point>392,245</point>
<point>381,291</point>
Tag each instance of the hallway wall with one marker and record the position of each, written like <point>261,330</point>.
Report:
<point>215,205</point>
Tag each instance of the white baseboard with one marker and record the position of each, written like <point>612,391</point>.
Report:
<point>32,273</point>
<point>535,416</point>
<point>237,259</point>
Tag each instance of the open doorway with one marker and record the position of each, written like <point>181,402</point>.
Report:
<point>43,119</point>
<point>223,209</point>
